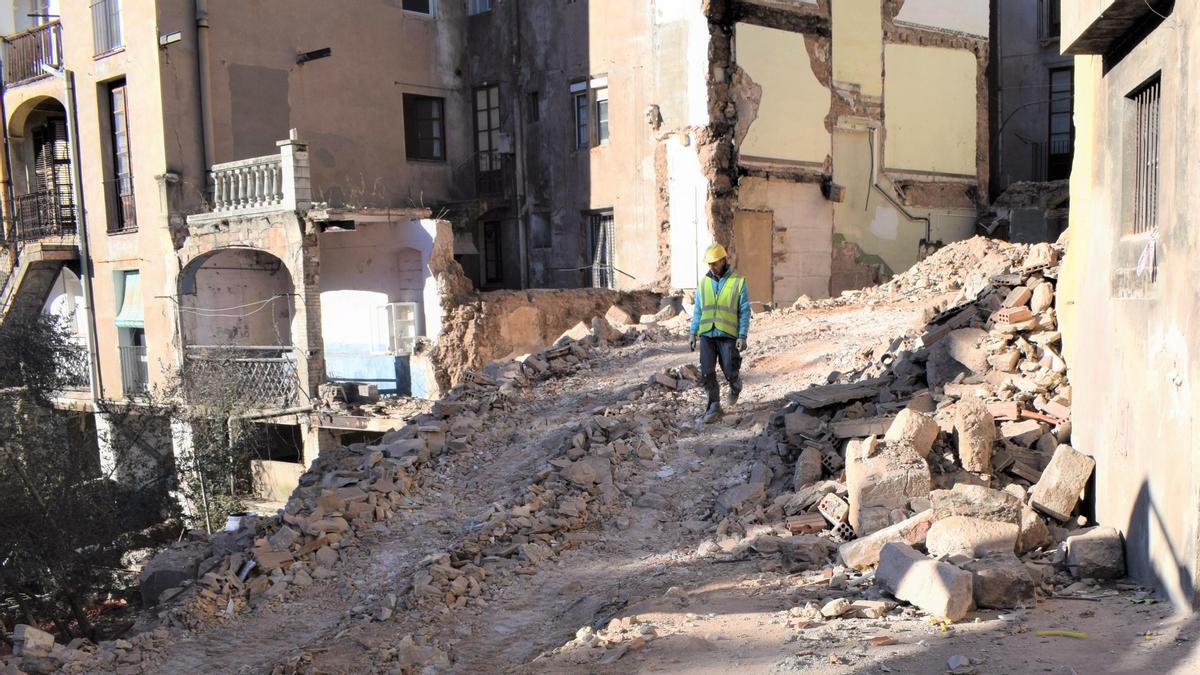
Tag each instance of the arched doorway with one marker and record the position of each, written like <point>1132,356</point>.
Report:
<point>236,307</point>
<point>41,166</point>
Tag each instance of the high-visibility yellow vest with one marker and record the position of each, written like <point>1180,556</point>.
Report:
<point>720,311</point>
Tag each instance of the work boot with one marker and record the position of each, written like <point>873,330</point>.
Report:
<point>713,413</point>
<point>732,396</point>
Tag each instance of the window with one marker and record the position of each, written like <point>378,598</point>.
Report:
<point>601,96</point>
<point>1049,19</point>
<point>122,168</point>
<point>479,6</point>
<point>1145,102</point>
<point>600,239</point>
<point>580,100</point>
<point>534,107</point>
<point>424,127</point>
<point>395,329</point>
<point>43,11</point>
<point>487,131</point>
<point>421,6</point>
<point>53,204</point>
<point>493,270</point>
<point>1062,129</point>
<point>106,26</point>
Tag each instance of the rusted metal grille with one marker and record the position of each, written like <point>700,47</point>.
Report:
<point>256,377</point>
<point>1145,178</point>
<point>26,53</point>
<point>135,370</point>
<point>43,214</point>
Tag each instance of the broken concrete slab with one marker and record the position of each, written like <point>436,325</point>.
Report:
<point>939,588</point>
<point>976,434</point>
<point>976,501</point>
<point>1001,581</point>
<point>830,394</point>
<point>882,482</point>
<point>1096,552</point>
<point>861,428</point>
<point>964,347</point>
<point>973,537</point>
<point>1061,483</point>
<point>863,552</point>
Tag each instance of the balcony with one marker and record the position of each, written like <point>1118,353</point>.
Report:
<point>135,371</point>
<point>25,53</point>
<point>43,214</point>
<point>260,185</point>
<point>261,378</point>
<point>493,174</point>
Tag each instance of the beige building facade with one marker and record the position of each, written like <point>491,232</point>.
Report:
<point>1128,298</point>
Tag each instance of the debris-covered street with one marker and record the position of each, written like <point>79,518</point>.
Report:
<point>584,520</point>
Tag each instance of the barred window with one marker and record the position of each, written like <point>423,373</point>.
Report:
<point>1145,101</point>
<point>106,26</point>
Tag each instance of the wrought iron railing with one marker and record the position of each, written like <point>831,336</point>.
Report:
<point>25,53</point>
<point>135,370</point>
<point>43,214</point>
<point>255,377</point>
<point>76,371</point>
<point>493,174</point>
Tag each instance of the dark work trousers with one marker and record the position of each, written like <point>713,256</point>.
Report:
<point>723,349</point>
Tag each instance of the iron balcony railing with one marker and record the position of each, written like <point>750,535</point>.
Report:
<point>76,370</point>
<point>135,371</point>
<point>258,377</point>
<point>43,214</point>
<point>25,53</point>
<point>493,173</point>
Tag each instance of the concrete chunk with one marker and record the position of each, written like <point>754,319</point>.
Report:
<point>938,588</point>
<point>976,434</point>
<point>877,484</point>
<point>808,468</point>
<point>1001,581</point>
<point>973,537</point>
<point>1058,490</point>
<point>976,501</point>
<point>1096,552</point>
<point>864,552</point>
<point>29,641</point>
<point>963,346</point>
<point>1034,532</point>
<point>915,429</point>
<point>617,316</point>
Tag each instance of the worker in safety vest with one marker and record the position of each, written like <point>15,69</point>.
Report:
<point>720,320</point>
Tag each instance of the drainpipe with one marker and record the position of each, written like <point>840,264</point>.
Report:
<point>203,74</point>
<point>888,196</point>
<point>519,142</point>
<point>7,196</point>
<point>81,232</point>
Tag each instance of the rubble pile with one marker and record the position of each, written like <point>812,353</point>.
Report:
<point>364,400</point>
<point>945,465</point>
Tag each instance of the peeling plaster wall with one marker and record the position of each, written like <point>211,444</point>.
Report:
<point>789,122</point>
<point>803,221</point>
<point>952,15</point>
<point>857,36</point>
<point>929,111</point>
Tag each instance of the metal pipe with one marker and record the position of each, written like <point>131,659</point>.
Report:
<point>519,164</point>
<point>81,235</point>
<point>887,195</point>
<point>204,74</point>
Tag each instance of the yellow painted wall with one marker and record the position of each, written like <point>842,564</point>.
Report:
<point>791,116</point>
<point>857,36</point>
<point>930,109</point>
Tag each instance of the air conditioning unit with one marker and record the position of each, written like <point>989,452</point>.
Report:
<point>396,329</point>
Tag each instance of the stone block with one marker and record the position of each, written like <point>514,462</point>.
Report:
<point>617,316</point>
<point>974,537</point>
<point>1058,490</point>
<point>31,642</point>
<point>808,468</point>
<point>1034,533</point>
<point>803,552</point>
<point>1024,432</point>
<point>963,345</point>
<point>604,330</point>
<point>798,423</point>
<point>915,429</point>
<point>939,588</point>
<point>1042,297</point>
<point>1001,581</point>
<point>1096,552</point>
<point>976,434</point>
<point>976,501</point>
<point>886,481</point>
<point>864,552</point>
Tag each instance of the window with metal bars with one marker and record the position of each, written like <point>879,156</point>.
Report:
<point>1144,179</point>
<point>106,26</point>
<point>601,236</point>
<point>52,208</point>
<point>125,218</point>
<point>1062,128</point>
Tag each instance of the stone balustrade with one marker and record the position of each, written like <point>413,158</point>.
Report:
<point>259,185</point>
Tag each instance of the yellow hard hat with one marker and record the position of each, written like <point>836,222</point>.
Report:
<point>714,253</point>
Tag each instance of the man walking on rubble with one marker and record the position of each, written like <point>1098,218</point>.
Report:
<point>720,320</point>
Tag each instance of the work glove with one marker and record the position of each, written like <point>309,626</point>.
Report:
<point>741,344</point>
<point>692,342</point>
